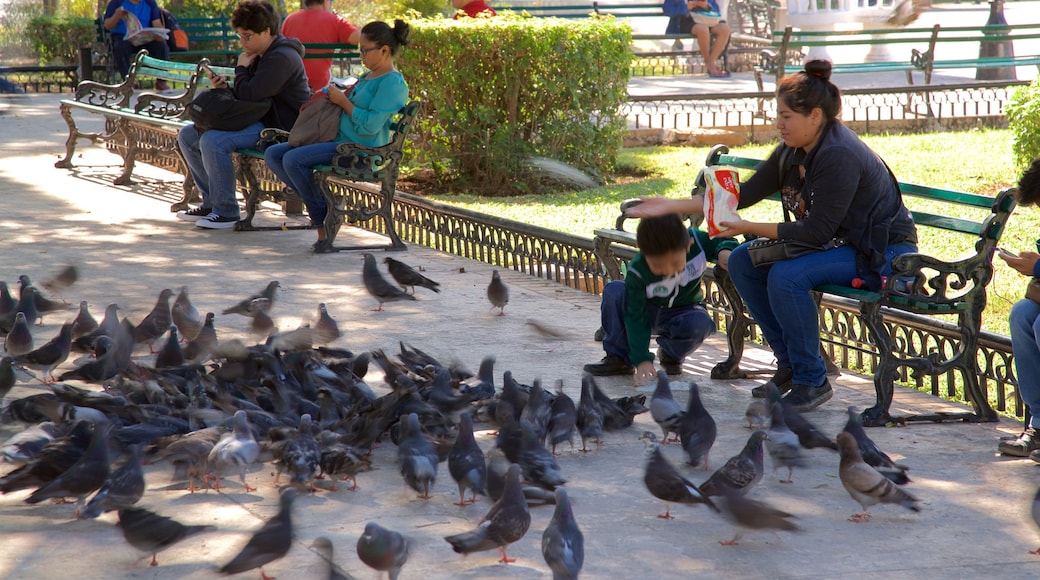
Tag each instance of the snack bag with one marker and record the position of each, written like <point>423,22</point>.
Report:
<point>720,201</point>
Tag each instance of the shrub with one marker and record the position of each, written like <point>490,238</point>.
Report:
<point>1023,115</point>
<point>58,40</point>
<point>498,91</point>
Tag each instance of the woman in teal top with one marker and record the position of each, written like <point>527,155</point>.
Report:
<point>367,112</point>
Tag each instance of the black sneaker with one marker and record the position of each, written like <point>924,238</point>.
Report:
<point>611,365</point>
<point>194,215</point>
<point>804,398</point>
<point>1024,446</point>
<point>215,222</point>
<point>782,380</point>
<point>668,364</point>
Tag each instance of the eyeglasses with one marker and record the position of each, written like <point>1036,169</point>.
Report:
<point>365,51</point>
<point>247,36</point>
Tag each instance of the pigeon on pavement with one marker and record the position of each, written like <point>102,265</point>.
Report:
<point>378,287</point>
<point>808,435</point>
<point>498,293</point>
<point>186,318</point>
<point>124,487</point>
<point>26,305</point>
<point>323,545</point>
<point>205,342</point>
<point>750,514</point>
<point>7,302</point>
<point>156,323</point>
<point>62,280</point>
<point>51,354</point>
<point>171,355</point>
<point>466,462</point>
<point>257,302</point>
<point>325,329</point>
<point>417,457</point>
<point>84,477</point>
<point>109,327</point>
<point>407,277</point>
<point>237,449</point>
<point>872,455</point>
<point>697,430</point>
<point>783,445</point>
<point>7,376</point>
<point>19,339</point>
<point>563,545</point>
<point>152,533</point>
<point>864,483</point>
<point>382,549</point>
<point>506,522</point>
<point>271,542</point>
<point>562,419</point>
<point>757,414</point>
<point>666,483</point>
<point>497,467</point>
<point>84,323</point>
<point>589,418</point>
<point>664,409</point>
<point>102,367</point>
<point>742,471</point>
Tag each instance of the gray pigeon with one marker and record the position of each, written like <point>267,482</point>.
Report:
<point>102,367</point>
<point>808,435</point>
<point>155,324</point>
<point>864,483</point>
<point>589,418</point>
<point>271,542</point>
<point>50,355</point>
<point>124,487</point>
<point>562,419</point>
<point>697,430</point>
<point>563,545</point>
<point>506,522</point>
<point>84,323</point>
<point>783,445</point>
<point>152,533</point>
<point>466,462</point>
<point>185,316</point>
<point>378,287</point>
<point>237,450</point>
<point>84,477</point>
<point>497,467</point>
<point>537,410</point>
<point>200,348</point>
<point>109,327</point>
<point>872,455</point>
<point>417,457</point>
<point>170,355</point>
<point>382,549</point>
<point>298,453</point>
<point>664,409</point>
<point>498,293</point>
<point>64,279</point>
<point>7,376</point>
<point>19,339</point>
<point>7,302</point>
<point>742,472</point>
<point>407,277</point>
<point>257,302</point>
<point>324,548</point>
<point>26,305</point>
<point>756,414</point>
<point>482,386</point>
<point>536,462</point>
<point>666,483</point>
<point>750,514</point>
<point>325,329</point>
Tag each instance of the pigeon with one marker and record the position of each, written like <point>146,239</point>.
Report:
<point>751,514</point>
<point>185,316</point>
<point>237,449</point>
<point>417,457</point>
<point>482,386</point>
<point>466,462</point>
<point>155,324</point>
<point>756,414</point>
<point>200,348</point>
<point>26,305</point>
<point>255,303</point>
<point>342,460</point>
<point>19,339</point>
<point>84,323</point>
<point>742,471</point>
<point>325,329</point>
<point>498,293</point>
<point>382,549</point>
<point>42,303</point>
<point>64,279</point>
<point>104,366</point>
<point>1035,512</point>
<point>190,449</point>
<point>872,455</point>
<point>562,419</point>
<point>51,354</point>
<point>170,355</point>
<point>563,545</point>
<point>783,445</point>
<point>124,487</point>
<point>497,467</point>
<point>271,542</point>
<point>537,410</point>
<point>150,532</point>
<point>109,327</point>
<point>664,409</point>
<point>589,418</point>
<point>24,445</point>
<point>619,413</point>
<point>666,483</point>
<point>7,302</point>
<point>324,547</point>
<point>378,287</point>
<point>506,522</point>
<point>536,462</point>
<point>697,430</point>
<point>404,275</point>
<point>51,461</point>
<point>298,452</point>
<point>83,477</point>
<point>808,435</point>
<point>7,376</point>
<point>864,483</point>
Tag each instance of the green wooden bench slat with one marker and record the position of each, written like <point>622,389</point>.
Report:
<point>959,197</point>
<point>946,223</point>
<point>848,292</point>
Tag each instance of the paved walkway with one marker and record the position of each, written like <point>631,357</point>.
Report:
<point>974,518</point>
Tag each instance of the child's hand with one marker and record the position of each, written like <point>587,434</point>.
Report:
<point>645,374</point>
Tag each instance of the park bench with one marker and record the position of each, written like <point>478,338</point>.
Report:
<point>924,284</point>
<point>993,58</point>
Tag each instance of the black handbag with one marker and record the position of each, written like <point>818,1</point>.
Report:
<point>765,252</point>
<point>219,109</point>
<point>1033,290</point>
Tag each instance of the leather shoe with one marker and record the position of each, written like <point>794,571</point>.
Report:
<point>805,399</point>
<point>611,365</point>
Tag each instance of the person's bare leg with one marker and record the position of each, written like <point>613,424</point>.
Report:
<point>703,36</point>
<point>721,32</point>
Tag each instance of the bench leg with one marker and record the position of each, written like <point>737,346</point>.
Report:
<point>74,136</point>
<point>130,148</point>
<point>338,213</point>
<point>736,330</point>
<point>190,192</point>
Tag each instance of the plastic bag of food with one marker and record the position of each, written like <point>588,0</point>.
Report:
<point>720,201</point>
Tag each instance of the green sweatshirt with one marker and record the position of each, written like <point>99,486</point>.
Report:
<point>683,289</point>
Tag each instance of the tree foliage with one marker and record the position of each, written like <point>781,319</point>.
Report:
<point>1023,115</point>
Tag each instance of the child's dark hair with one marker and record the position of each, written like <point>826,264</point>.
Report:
<point>657,236</point>
<point>255,16</point>
<point>808,89</point>
<point>380,33</point>
<point>1029,185</point>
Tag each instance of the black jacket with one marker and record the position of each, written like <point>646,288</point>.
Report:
<point>277,75</point>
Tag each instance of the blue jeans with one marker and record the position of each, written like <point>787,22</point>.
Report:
<point>212,167</point>
<point>293,165</point>
<point>778,298</point>
<point>123,52</point>
<point>679,330</point>
<point>1025,345</point>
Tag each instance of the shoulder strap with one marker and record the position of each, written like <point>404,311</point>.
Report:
<point>785,157</point>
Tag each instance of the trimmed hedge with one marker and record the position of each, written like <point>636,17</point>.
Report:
<point>57,40</point>
<point>501,90</point>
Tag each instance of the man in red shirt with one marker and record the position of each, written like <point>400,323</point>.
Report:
<point>316,22</point>
<point>472,8</point>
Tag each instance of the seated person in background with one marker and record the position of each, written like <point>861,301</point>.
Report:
<point>368,108</point>
<point>661,294</point>
<point>472,9</point>
<point>269,67</point>
<point>148,13</point>
<point>317,23</point>
<point>701,19</point>
<point>1025,333</point>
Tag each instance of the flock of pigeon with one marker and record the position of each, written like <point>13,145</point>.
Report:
<point>215,408</point>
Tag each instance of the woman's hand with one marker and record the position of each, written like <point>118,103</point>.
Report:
<point>1024,263</point>
<point>734,229</point>
<point>337,96</point>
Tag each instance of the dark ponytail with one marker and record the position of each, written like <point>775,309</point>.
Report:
<point>809,89</point>
<point>380,33</point>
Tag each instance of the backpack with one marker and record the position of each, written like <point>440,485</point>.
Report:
<point>178,39</point>
<point>219,109</point>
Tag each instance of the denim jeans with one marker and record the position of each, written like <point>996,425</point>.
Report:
<point>123,52</point>
<point>778,298</point>
<point>212,166</point>
<point>1025,345</point>
<point>293,166</point>
<point>679,330</point>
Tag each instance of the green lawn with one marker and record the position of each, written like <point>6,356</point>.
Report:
<point>975,161</point>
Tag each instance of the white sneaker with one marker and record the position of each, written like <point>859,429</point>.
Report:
<point>194,215</point>
<point>215,222</point>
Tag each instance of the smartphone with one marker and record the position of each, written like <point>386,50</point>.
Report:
<point>1006,253</point>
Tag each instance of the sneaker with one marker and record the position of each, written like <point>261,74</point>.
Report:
<point>194,215</point>
<point>668,364</point>
<point>611,365</point>
<point>782,381</point>
<point>1025,446</point>
<point>215,222</point>
<point>805,399</point>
